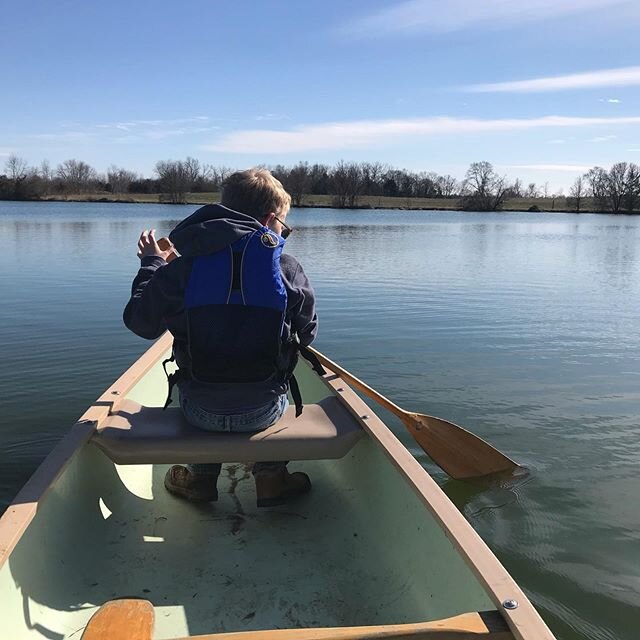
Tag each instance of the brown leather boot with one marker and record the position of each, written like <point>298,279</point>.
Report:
<point>279,487</point>
<point>182,483</point>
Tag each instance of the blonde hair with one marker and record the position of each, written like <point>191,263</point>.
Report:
<point>255,192</point>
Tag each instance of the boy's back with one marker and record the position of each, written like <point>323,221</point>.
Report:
<point>238,310</point>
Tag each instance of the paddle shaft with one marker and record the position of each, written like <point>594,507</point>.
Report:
<point>453,448</point>
<point>358,384</point>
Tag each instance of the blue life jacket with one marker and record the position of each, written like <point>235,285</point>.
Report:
<point>235,303</point>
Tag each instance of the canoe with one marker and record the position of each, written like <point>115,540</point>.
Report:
<point>375,550</point>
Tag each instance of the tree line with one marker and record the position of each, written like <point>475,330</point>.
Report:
<point>482,189</point>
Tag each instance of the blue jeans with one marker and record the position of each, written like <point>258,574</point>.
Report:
<point>256,420</point>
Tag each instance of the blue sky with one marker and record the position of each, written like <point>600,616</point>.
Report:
<point>543,89</point>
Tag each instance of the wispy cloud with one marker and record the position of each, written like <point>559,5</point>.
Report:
<point>611,100</point>
<point>271,116</point>
<point>136,124</point>
<point>436,16</point>
<point>5,153</point>
<point>569,168</point>
<point>620,77</point>
<point>134,130</point>
<point>364,133</point>
<point>557,141</point>
<point>603,138</point>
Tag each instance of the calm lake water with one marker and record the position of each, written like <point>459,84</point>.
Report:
<point>522,327</point>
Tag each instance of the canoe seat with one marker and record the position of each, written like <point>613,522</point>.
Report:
<point>148,435</point>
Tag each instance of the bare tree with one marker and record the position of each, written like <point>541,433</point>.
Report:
<point>617,186</point>
<point>16,168</point>
<point>631,188</point>
<point>515,190</point>
<point>355,184</point>
<point>577,194</point>
<point>532,191</point>
<point>347,183</point>
<point>175,179</point>
<point>616,189</point>
<point>120,179</point>
<point>192,169</point>
<point>219,175</point>
<point>339,185</point>
<point>319,176</point>
<point>483,189</point>
<point>372,178</point>
<point>448,186</point>
<point>76,176</point>
<point>46,176</point>
<point>421,185</point>
<point>297,181</point>
<point>17,171</point>
<point>21,182</point>
<point>45,171</point>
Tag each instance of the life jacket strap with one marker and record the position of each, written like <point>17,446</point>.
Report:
<point>311,358</point>
<point>294,387</point>
<point>172,378</point>
<point>179,375</point>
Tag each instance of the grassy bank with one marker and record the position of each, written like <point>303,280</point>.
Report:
<point>364,202</point>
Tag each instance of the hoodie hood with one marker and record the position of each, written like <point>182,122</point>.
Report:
<point>210,229</point>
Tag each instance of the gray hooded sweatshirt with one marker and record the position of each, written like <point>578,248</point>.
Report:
<point>157,303</point>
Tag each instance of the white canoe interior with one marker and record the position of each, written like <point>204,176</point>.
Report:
<point>360,549</point>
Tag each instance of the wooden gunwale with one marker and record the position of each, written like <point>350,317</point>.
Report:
<point>133,620</point>
<point>23,509</point>
<point>524,621</point>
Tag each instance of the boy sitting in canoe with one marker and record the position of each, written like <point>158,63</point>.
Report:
<point>238,311</point>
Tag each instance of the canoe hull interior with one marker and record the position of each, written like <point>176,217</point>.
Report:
<point>361,549</point>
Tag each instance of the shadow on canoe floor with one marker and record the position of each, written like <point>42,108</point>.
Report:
<point>97,538</point>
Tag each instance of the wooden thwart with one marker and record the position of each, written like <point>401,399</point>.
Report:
<point>121,620</point>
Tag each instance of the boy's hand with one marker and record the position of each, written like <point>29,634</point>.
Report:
<point>148,246</point>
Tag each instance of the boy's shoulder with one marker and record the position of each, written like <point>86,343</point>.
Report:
<point>289,265</point>
<point>293,274</point>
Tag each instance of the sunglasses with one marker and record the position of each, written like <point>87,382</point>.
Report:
<point>286,232</point>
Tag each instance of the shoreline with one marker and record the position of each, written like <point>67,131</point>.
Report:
<point>392,203</point>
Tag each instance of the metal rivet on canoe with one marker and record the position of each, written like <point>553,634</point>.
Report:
<point>510,604</point>
<point>366,416</point>
<point>340,389</point>
<point>115,393</point>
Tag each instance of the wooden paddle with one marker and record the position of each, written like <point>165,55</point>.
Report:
<point>457,451</point>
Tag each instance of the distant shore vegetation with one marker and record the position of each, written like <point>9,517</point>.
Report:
<point>343,185</point>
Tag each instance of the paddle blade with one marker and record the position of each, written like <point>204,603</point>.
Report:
<point>457,451</point>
